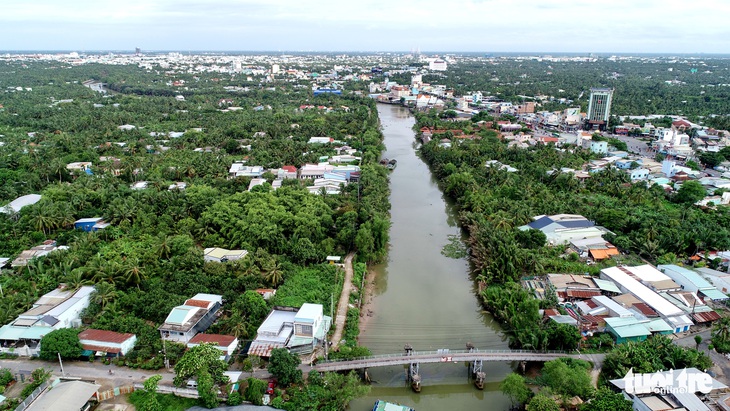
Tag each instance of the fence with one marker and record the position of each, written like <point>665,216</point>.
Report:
<point>115,392</point>
<point>26,402</point>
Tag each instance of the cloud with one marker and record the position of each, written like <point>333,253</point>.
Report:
<point>480,25</point>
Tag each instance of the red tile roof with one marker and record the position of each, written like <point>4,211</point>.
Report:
<point>197,303</point>
<point>591,304</point>
<point>290,169</point>
<point>104,336</point>
<point>222,340</point>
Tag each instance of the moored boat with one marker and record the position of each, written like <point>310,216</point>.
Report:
<point>381,405</point>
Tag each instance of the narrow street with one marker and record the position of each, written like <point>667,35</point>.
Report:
<point>722,364</point>
<point>341,315</point>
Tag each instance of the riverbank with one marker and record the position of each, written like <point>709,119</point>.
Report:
<point>366,306</point>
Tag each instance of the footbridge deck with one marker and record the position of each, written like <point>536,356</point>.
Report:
<point>424,357</point>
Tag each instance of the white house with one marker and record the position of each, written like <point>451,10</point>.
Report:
<point>221,255</point>
<point>55,310</point>
<point>227,344</point>
<point>194,316</point>
<point>106,343</point>
<point>299,330</point>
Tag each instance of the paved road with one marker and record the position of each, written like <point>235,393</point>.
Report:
<point>636,146</point>
<point>83,369</point>
<point>722,364</point>
<point>342,305</point>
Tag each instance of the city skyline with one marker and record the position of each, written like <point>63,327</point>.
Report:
<point>619,26</point>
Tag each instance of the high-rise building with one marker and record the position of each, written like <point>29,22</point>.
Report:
<point>599,107</point>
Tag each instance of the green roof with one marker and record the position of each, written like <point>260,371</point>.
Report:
<point>606,285</point>
<point>713,294</point>
<point>11,333</point>
<point>627,327</point>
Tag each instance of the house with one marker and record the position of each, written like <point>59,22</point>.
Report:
<point>194,316</point>
<point>266,293</point>
<point>139,185</point>
<point>66,396</point>
<point>91,224</point>
<point>57,309</point>
<point>638,174</point>
<point>20,202</point>
<point>721,280</point>
<point>239,169</point>
<point>106,343</point>
<point>563,228</point>
<point>682,389</point>
<point>626,279</point>
<point>221,255</point>
<point>47,247</point>
<point>298,330</point>
<point>227,344</point>
<point>691,281</point>
<point>320,140</point>
<point>79,167</point>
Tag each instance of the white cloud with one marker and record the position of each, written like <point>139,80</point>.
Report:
<point>545,25</point>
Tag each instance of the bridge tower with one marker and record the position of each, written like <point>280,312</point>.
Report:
<point>475,368</point>
<point>413,375</point>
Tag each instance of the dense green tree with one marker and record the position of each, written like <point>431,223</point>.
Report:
<point>515,387</point>
<point>542,402</point>
<point>64,341</point>
<point>284,366</point>
<point>607,400</point>
<point>255,391</point>
<point>203,359</point>
<point>690,192</point>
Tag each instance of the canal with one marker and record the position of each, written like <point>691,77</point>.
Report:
<point>422,297</point>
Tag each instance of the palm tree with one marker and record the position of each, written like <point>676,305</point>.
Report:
<point>104,294</point>
<point>721,330</point>
<point>273,273</point>
<point>133,273</point>
<point>75,279</point>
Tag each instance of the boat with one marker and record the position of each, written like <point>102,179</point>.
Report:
<point>384,162</point>
<point>381,405</point>
<point>392,164</point>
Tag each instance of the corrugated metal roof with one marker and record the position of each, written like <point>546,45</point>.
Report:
<point>263,349</point>
<point>104,336</point>
<point>220,339</point>
<point>714,294</point>
<point>583,293</point>
<point>606,285</point>
<point>646,310</point>
<point>706,317</point>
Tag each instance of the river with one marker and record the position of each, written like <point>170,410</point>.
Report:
<point>422,297</point>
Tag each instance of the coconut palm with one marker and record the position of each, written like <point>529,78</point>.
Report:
<point>104,294</point>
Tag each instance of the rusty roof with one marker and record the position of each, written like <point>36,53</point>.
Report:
<point>583,293</point>
<point>104,336</point>
<point>220,339</point>
<point>645,309</point>
<point>263,349</point>
<point>706,317</point>
<point>197,303</point>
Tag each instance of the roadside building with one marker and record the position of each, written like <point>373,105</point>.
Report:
<point>194,316</point>
<point>102,343</point>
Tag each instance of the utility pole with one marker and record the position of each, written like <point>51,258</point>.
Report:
<point>61,362</point>
<point>164,352</point>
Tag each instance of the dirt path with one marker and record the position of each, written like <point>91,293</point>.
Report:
<point>341,315</point>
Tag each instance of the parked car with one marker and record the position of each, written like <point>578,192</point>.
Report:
<point>270,388</point>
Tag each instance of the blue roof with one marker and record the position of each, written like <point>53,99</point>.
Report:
<point>541,223</point>
<point>576,223</point>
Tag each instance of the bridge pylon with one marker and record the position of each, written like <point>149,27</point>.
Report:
<point>413,375</point>
<point>475,368</point>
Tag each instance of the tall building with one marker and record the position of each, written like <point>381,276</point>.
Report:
<point>599,107</point>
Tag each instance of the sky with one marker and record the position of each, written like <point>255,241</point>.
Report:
<point>600,26</point>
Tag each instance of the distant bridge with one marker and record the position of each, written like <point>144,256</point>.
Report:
<point>445,355</point>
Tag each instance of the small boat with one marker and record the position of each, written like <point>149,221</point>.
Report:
<point>381,405</point>
<point>392,164</point>
<point>384,162</point>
